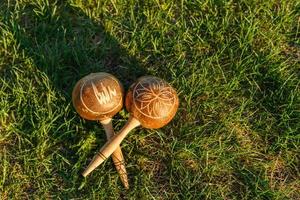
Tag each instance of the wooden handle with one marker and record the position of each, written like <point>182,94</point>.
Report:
<point>117,155</point>
<point>111,145</point>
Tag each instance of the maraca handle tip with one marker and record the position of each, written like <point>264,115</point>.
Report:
<point>84,174</point>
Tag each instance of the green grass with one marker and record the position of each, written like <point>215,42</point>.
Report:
<point>235,64</point>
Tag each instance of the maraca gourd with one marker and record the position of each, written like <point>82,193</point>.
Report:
<point>152,103</point>
<point>99,96</point>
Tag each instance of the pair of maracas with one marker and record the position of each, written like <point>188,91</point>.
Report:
<point>151,101</point>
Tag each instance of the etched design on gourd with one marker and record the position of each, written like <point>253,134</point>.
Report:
<point>106,95</point>
<point>102,97</point>
<point>153,98</point>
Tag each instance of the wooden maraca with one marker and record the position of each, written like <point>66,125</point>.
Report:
<point>99,96</point>
<point>152,103</point>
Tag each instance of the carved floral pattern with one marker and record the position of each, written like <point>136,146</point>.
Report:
<point>154,97</point>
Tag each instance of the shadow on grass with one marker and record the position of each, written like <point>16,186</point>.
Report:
<point>275,96</point>
<point>249,182</point>
<point>66,45</point>
<point>69,45</point>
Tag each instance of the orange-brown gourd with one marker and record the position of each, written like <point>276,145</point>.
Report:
<point>152,103</point>
<point>99,96</point>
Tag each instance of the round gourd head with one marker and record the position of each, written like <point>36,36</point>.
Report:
<point>152,101</point>
<point>98,96</point>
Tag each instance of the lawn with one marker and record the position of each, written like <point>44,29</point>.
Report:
<point>235,65</point>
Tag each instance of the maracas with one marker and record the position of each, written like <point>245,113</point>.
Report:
<point>152,103</point>
<point>99,96</point>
